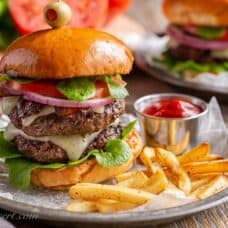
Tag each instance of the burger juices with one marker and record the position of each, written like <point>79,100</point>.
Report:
<point>63,93</point>
<point>198,36</point>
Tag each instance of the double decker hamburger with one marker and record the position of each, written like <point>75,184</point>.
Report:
<point>198,37</point>
<point>63,93</point>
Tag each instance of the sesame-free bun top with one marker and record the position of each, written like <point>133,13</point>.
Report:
<point>66,53</point>
<point>197,12</point>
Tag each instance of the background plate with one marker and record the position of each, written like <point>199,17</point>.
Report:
<point>166,76</point>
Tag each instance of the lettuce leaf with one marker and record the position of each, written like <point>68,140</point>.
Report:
<point>78,89</point>
<point>180,66</point>
<point>210,33</point>
<point>116,91</point>
<point>116,152</point>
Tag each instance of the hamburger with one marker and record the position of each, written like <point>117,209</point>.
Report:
<point>198,37</point>
<point>63,93</point>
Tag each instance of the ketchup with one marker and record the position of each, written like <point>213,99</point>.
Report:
<point>172,109</point>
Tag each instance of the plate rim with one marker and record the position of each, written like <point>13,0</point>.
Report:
<point>129,217</point>
<point>165,76</point>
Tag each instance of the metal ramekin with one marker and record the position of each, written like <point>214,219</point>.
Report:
<point>174,134</point>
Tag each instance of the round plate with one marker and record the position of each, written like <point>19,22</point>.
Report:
<point>166,76</point>
<point>129,218</point>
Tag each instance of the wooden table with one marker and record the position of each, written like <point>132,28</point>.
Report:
<point>140,84</point>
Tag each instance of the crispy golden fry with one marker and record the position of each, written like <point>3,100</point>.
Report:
<point>113,206</point>
<point>216,185</point>
<point>147,157</point>
<point>197,153</point>
<point>128,175</point>
<point>137,181</point>
<point>198,176</point>
<point>171,177</point>
<point>157,183</point>
<point>206,166</point>
<point>171,161</point>
<point>83,206</point>
<point>200,182</point>
<point>88,191</point>
<point>212,157</point>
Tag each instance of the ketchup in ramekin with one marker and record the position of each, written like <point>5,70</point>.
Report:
<point>172,108</point>
<point>170,121</point>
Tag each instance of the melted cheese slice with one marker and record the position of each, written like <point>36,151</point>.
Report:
<point>74,145</point>
<point>8,103</point>
<point>44,112</point>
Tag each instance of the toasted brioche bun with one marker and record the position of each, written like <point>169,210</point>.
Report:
<point>66,53</point>
<point>89,171</point>
<point>197,12</point>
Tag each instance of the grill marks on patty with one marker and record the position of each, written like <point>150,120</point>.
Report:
<point>48,152</point>
<point>83,121</point>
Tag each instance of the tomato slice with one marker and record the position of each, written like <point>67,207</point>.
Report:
<point>46,88</point>
<point>116,7</point>
<point>28,15</point>
<point>101,89</point>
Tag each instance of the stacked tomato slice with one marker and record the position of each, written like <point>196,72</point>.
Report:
<point>28,17</point>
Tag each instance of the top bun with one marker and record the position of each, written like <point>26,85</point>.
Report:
<point>197,12</point>
<point>66,53</point>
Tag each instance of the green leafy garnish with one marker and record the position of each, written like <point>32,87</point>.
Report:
<point>210,32</point>
<point>116,152</point>
<point>78,89</point>
<point>180,66</point>
<point>20,170</point>
<point>7,149</point>
<point>4,78</point>
<point>128,128</point>
<point>116,91</point>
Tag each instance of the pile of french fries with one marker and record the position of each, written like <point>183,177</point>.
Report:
<point>197,173</point>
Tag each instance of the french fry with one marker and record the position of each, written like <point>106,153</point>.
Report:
<point>195,154</point>
<point>200,182</point>
<point>171,161</point>
<point>198,176</point>
<point>83,206</point>
<point>207,166</point>
<point>147,157</point>
<point>214,186</point>
<point>127,175</point>
<point>137,181</point>
<point>88,191</point>
<point>157,183</point>
<point>113,206</point>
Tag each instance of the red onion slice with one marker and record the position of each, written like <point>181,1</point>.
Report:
<point>195,42</point>
<point>59,102</point>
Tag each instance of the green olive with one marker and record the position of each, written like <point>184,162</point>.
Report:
<point>57,14</point>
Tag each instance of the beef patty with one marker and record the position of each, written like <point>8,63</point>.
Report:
<point>182,52</point>
<point>64,121</point>
<point>47,152</point>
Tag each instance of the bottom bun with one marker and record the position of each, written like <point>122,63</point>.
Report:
<point>89,171</point>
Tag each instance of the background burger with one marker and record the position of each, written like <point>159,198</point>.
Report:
<point>198,36</point>
<point>63,93</point>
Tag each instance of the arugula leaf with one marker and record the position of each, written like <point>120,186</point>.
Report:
<point>128,129</point>
<point>179,66</point>
<point>4,78</point>
<point>78,89</point>
<point>20,170</point>
<point>210,32</point>
<point>7,150</point>
<point>116,153</point>
<point>116,91</point>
